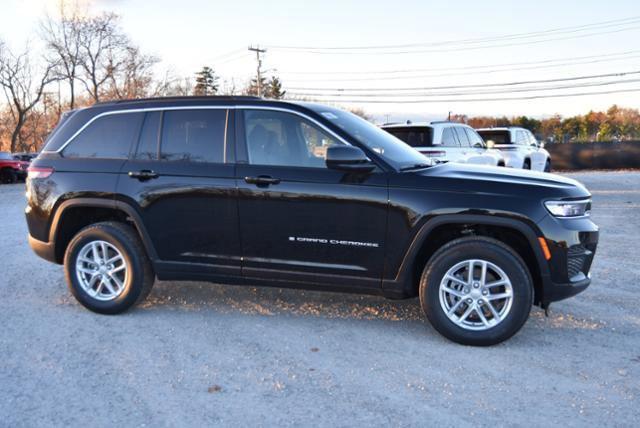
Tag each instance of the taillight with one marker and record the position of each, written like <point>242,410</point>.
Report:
<point>39,172</point>
<point>433,153</point>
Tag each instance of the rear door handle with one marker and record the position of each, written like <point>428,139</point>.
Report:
<point>262,180</point>
<point>145,174</point>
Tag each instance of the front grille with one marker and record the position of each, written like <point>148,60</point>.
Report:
<point>578,261</point>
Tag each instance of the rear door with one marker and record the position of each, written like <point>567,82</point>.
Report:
<point>450,145</point>
<point>181,180</point>
<point>299,220</point>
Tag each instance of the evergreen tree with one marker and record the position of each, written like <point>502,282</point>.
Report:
<point>206,82</point>
<point>274,89</point>
<point>252,89</point>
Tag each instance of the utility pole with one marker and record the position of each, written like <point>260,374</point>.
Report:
<point>258,51</point>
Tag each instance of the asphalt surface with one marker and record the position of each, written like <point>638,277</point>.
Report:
<point>201,354</point>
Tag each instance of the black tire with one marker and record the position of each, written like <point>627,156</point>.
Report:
<point>8,176</point>
<point>139,280</point>
<point>526,164</point>
<point>547,166</point>
<point>491,250</point>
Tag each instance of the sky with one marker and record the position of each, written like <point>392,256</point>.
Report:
<point>189,34</point>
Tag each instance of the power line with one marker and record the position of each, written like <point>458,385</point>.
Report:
<point>476,85</point>
<point>622,21</point>
<point>468,67</point>
<point>470,100</point>
<point>467,73</point>
<point>318,52</point>
<point>478,92</point>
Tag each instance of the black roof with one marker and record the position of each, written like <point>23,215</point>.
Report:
<point>181,98</point>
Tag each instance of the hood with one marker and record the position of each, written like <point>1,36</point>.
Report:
<point>499,180</point>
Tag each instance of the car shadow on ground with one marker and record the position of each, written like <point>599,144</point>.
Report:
<point>192,296</point>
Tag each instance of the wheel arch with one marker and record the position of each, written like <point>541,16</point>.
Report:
<point>434,233</point>
<point>74,214</point>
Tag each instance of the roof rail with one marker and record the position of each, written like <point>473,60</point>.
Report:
<point>181,98</point>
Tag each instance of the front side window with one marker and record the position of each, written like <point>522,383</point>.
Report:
<point>196,135</point>
<point>474,138</point>
<point>388,147</point>
<point>521,138</point>
<point>107,137</point>
<point>285,139</point>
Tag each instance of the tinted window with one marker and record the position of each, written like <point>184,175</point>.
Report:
<point>285,139</point>
<point>108,137</point>
<point>415,136</point>
<point>375,139</point>
<point>449,139</point>
<point>148,143</point>
<point>498,137</point>
<point>462,136</point>
<point>474,138</point>
<point>194,135</point>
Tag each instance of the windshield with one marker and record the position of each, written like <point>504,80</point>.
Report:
<point>5,156</point>
<point>395,152</point>
<point>415,136</point>
<point>498,137</point>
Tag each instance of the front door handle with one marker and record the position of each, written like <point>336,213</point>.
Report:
<point>262,180</point>
<point>142,175</point>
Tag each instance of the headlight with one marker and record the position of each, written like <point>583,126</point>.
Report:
<point>569,208</point>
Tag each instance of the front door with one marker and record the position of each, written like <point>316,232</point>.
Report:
<point>181,180</point>
<point>300,221</point>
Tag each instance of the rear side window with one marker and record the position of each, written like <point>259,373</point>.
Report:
<point>462,136</point>
<point>414,136</point>
<point>448,138</point>
<point>194,135</point>
<point>107,137</point>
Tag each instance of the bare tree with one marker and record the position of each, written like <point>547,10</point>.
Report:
<point>134,76</point>
<point>101,48</point>
<point>63,40</point>
<point>23,85</point>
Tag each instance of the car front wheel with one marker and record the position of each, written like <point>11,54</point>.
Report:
<point>107,268</point>
<point>476,291</point>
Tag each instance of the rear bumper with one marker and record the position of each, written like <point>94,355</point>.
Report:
<point>46,250</point>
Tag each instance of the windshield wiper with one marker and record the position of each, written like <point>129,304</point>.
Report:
<point>415,166</point>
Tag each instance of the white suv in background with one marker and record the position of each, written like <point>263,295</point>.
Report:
<point>518,146</point>
<point>446,142</point>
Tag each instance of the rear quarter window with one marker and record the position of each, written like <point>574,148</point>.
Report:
<point>107,137</point>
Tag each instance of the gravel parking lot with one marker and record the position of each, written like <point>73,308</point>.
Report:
<point>201,354</point>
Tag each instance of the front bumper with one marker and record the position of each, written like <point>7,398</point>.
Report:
<point>46,250</point>
<point>572,244</point>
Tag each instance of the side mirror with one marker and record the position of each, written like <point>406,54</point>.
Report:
<point>478,146</point>
<point>348,159</point>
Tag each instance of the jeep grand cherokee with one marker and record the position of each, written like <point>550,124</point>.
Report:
<point>238,190</point>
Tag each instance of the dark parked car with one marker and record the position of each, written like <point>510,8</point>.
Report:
<point>240,190</point>
<point>12,169</point>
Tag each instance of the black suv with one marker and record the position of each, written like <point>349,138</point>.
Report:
<point>240,190</point>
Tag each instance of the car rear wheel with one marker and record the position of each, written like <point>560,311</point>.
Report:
<point>547,166</point>
<point>476,291</point>
<point>526,164</point>
<point>8,176</point>
<point>107,268</point>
